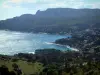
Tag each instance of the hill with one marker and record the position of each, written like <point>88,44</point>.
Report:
<point>54,20</point>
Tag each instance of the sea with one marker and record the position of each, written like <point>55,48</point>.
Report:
<point>12,42</point>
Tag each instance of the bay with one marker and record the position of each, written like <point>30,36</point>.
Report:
<point>12,42</point>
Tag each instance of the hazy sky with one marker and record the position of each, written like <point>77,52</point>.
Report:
<point>12,8</point>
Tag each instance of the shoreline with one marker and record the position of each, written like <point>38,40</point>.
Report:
<point>73,49</point>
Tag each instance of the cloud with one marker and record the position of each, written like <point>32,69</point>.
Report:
<point>4,5</point>
<point>20,1</point>
<point>44,4</point>
<point>97,5</point>
<point>68,4</point>
<point>41,3</point>
<point>15,1</point>
<point>94,5</point>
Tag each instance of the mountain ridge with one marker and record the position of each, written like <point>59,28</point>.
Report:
<point>53,20</point>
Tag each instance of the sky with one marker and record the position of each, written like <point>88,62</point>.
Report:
<point>13,8</point>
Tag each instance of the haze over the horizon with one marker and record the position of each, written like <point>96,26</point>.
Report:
<point>12,8</point>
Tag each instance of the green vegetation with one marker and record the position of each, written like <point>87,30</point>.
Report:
<point>26,67</point>
<point>52,63</point>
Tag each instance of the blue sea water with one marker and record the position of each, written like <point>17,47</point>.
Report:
<point>12,42</point>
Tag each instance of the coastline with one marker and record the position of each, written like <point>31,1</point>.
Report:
<point>67,46</point>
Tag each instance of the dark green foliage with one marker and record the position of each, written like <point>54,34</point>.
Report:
<point>4,71</point>
<point>16,69</point>
<point>50,70</point>
<point>14,60</point>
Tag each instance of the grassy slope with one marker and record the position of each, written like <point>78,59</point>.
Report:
<point>26,67</point>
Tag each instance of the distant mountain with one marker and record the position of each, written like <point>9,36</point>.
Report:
<point>54,20</point>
